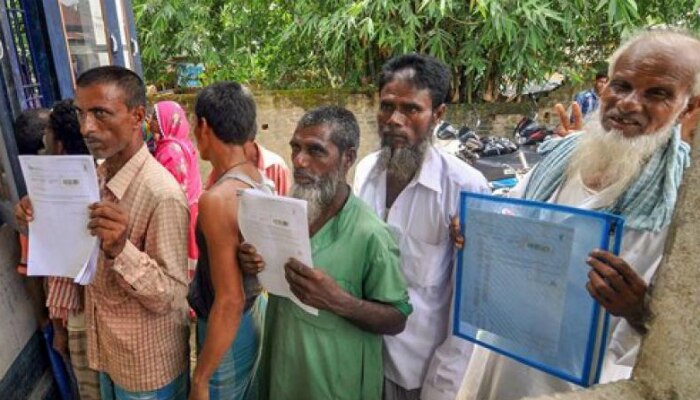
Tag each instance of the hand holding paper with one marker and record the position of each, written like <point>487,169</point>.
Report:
<point>312,286</point>
<point>109,222</point>
<point>278,229</point>
<point>59,188</point>
<point>24,213</point>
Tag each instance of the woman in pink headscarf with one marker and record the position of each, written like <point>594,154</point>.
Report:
<point>175,151</point>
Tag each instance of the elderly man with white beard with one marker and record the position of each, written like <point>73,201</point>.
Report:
<point>629,160</point>
<point>355,282</point>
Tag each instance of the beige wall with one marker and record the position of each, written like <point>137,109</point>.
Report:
<point>281,110</point>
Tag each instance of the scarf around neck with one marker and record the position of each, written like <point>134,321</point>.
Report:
<point>647,204</point>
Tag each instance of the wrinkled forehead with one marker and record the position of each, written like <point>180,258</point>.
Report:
<point>674,63</point>
<point>99,93</point>
<point>318,135</point>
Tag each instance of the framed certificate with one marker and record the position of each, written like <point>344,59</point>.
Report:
<point>521,283</point>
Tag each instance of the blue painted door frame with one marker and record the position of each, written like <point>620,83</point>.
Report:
<point>59,46</point>
<point>39,45</point>
<point>135,49</point>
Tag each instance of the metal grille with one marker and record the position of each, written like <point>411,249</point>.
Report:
<point>31,90</point>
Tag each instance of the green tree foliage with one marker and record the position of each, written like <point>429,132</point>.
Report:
<point>489,44</point>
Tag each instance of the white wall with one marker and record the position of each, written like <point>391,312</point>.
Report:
<point>17,324</point>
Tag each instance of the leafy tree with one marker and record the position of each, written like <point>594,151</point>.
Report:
<point>489,44</point>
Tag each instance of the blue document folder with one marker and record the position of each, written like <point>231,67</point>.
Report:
<point>521,283</point>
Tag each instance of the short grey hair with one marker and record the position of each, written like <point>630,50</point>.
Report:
<point>345,132</point>
<point>666,37</point>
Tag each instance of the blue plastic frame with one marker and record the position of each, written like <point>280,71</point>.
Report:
<point>609,219</point>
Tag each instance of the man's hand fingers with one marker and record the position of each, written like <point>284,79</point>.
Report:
<point>608,273</point>
<point>249,253</point>
<point>576,116</point>
<point>251,267</point>
<point>109,211</point>
<point>300,269</point>
<point>104,223</point>
<point>563,117</point>
<point>107,236</point>
<point>251,262</point>
<point>296,281</point>
<point>247,249</point>
<point>600,299</point>
<point>26,206</point>
<point>621,266</point>
<point>24,212</point>
<point>300,294</point>
<point>601,287</point>
<point>456,232</point>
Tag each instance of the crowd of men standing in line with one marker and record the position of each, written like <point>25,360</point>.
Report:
<point>382,250</point>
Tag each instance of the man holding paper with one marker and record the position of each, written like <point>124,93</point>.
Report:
<point>223,298</point>
<point>629,160</point>
<point>355,282</point>
<point>415,188</point>
<point>136,311</point>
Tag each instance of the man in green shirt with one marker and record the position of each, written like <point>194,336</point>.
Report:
<point>355,283</point>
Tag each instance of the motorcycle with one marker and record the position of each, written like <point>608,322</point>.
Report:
<point>502,161</point>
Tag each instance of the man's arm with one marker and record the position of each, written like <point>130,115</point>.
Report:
<point>217,219</point>
<point>314,287</point>
<point>156,275</point>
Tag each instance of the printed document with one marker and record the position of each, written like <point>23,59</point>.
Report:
<point>519,287</point>
<point>61,188</point>
<point>279,230</point>
<point>521,283</point>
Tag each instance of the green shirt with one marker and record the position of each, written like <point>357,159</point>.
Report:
<point>326,357</point>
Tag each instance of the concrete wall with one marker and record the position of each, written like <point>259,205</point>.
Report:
<point>281,110</point>
<point>668,366</point>
<point>24,367</point>
<point>18,323</point>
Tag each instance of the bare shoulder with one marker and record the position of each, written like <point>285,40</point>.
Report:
<point>219,203</point>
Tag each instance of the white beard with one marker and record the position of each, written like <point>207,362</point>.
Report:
<point>609,162</point>
<point>318,195</point>
<point>403,163</point>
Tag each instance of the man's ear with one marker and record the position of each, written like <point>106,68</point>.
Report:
<point>439,112</point>
<point>349,158</point>
<point>692,107</point>
<point>139,113</point>
<point>203,128</point>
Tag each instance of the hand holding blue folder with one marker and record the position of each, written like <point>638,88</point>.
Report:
<point>521,283</point>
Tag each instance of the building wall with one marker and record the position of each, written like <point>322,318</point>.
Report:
<point>23,359</point>
<point>18,324</point>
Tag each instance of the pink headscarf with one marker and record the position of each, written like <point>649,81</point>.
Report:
<point>174,149</point>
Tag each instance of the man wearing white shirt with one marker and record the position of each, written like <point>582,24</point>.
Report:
<point>416,188</point>
<point>629,160</point>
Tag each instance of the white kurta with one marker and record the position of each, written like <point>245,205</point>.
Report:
<point>492,376</point>
<point>419,219</point>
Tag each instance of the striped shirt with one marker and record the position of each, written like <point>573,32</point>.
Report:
<point>274,169</point>
<point>62,297</point>
<point>272,166</point>
<point>136,307</point>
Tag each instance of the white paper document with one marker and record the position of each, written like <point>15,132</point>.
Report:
<point>523,261</point>
<point>279,230</point>
<point>61,188</point>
